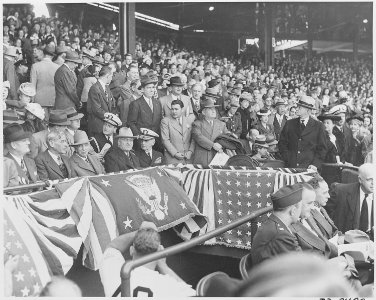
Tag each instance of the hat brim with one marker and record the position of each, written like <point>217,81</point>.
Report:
<point>306,106</point>
<point>334,118</point>
<point>352,118</point>
<point>279,103</point>
<point>148,82</point>
<point>13,122</point>
<point>76,117</point>
<point>264,114</point>
<point>25,135</point>
<point>176,84</point>
<point>211,96</point>
<point>59,124</point>
<point>125,136</point>
<point>77,61</point>
<point>111,122</point>
<point>261,145</point>
<point>82,142</point>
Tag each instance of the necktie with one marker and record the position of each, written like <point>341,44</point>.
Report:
<point>302,124</point>
<point>363,223</point>
<point>150,104</point>
<point>149,154</point>
<point>23,167</point>
<point>312,223</point>
<point>62,167</point>
<point>106,94</point>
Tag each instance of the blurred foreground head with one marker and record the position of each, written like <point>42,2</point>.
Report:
<point>59,286</point>
<point>295,275</point>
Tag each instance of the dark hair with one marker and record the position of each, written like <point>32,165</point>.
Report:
<point>105,71</point>
<point>315,181</point>
<point>179,102</point>
<point>146,241</point>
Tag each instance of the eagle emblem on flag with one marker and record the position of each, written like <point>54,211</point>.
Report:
<point>150,198</point>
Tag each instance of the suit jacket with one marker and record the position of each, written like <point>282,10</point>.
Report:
<point>38,143</point>
<point>10,174</point>
<point>176,138</point>
<point>196,111</point>
<point>303,148</point>
<point>324,222</point>
<point>48,169</point>
<point>162,92</point>
<point>9,74</point>
<point>24,178</point>
<point>166,105</point>
<point>245,117</point>
<point>42,78</point>
<point>141,116</point>
<point>115,160</point>
<point>204,135</point>
<point>97,105</point>
<point>271,239</point>
<point>308,241</point>
<point>98,141</point>
<point>65,88</point>
<point>268,130</point>
<point>125,99</point>
<point>233,124</point>
<point>70,140</point>
<point>276,126</point>
<point>146,161</point>
<point>83,168</point>
<point>344,205</point>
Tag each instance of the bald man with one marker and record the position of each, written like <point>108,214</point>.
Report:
<point>59,286</point>
<point>351,204</point>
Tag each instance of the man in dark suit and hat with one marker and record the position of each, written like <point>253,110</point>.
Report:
<point>17,142</point>
<point>205,130</point>
<point>274,237</point>
<point>278,119</point>
<point>100,101</point>
<point>9,71</point>
<point>146,112</point>
<point>303,142</point>
<point>121,157</point>
<point>66,81</point>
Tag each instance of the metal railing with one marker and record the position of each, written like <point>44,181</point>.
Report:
<point>130,265</point>
<point>340,166</point>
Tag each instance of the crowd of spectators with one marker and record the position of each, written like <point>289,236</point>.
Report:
<point>74,106</point>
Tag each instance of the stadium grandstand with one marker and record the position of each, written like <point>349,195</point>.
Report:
<point>181,149</point>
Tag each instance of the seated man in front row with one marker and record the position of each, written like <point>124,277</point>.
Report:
<point>147,156</point>
<point>145,280</point>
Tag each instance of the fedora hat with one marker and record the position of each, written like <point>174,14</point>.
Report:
<point>280,102</point>
<point>261,141</point>
<point>328,116</point>
<point>307,102</point>
<point>355,117</point>
<point>175,80</point>
<point>270,140</point>
<point>148,79</point>
<point>235,91</point>
<point>10,116</point>
<point>147,134</point>
<point>125,132</point>
<point>80,137</point>
<point>58,117</point>
<point>210,92</point>
<point>72,114</point>
<point>14,132</point>
<point>263,112</point>
<point>49,49</point>
<point>27,89</point>
<point>36,109</point>
<point>234,103</point>
<point>89,53</point>
<point>73,57</point>
<point>10,51</point>
<point>112,119</point>
<point>99,61</point>
<point>61,49</point>
<point>212,83</point>
<point>208,103</point>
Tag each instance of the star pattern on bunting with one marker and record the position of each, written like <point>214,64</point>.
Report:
<point>127,223</point>
<point>106,183</point>
<point>237,199</point>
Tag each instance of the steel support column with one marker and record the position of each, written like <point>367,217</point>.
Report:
<point>269,30</point>
<point>127,28</point>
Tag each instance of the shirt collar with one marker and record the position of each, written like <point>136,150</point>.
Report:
<point>102,84</point>
<point>70,131</point>
<point>68,67</point>
<point>17,158</point>
<point>54,156</point>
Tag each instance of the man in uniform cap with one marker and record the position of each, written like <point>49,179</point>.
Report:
<point>66,81</point>
<point>205,131</point>
<point>274,237</point>
<point>122,157</point>
<point>102,141</point>
<point>303,142</point>
<point>146,155</point>
<point>42,78</point>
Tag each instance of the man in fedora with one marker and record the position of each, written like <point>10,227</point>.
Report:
<point>53,164</point>
<point>58,122</point>
<point>302,142</point>
<point>9,71</point>
<point>75,120</point>
<point>66,81</point>
<point>278,119</point>
<point>100,101</point>
<point>16,142</point>
<point>87,58</point>
<point>146,112</point>
<point>42,78</point>
<point>233,119</point>
<point>83,163</point>
<point>176,89</point>
<point>146,155</point>
<point>261,147</point>
<point>205,131</point>
<point>122,157</point>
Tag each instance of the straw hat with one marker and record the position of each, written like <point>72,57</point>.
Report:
<point>36,109</point>
<point>58,117</point>
<point>307,102</point>
<point>80,137</point>
<point>73,57</point>
<point>125,132</point>
<point>72,114</point>
<point>27,89</point>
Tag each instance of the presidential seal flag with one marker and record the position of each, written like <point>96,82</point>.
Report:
<point>147,195</point>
